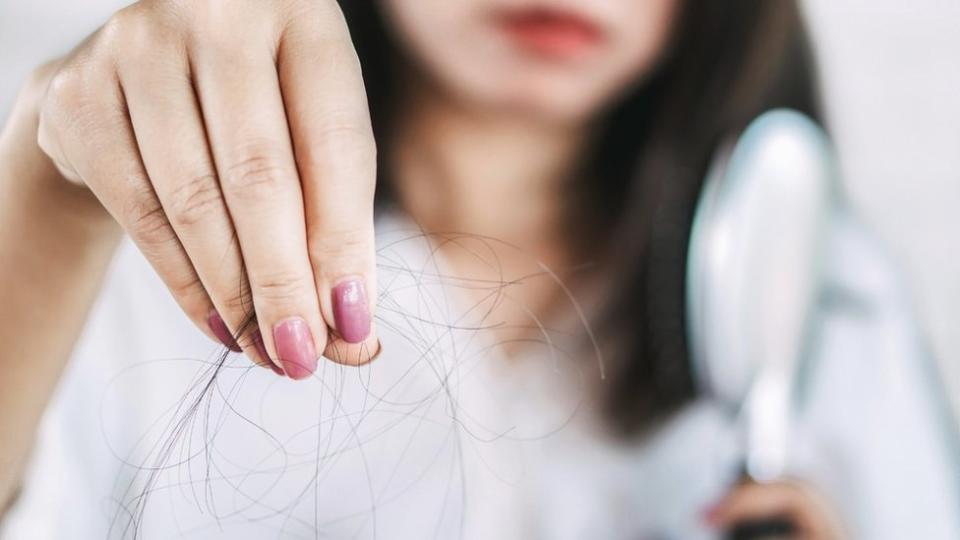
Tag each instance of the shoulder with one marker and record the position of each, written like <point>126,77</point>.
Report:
<point>873,406</point>
<point>859,267</point>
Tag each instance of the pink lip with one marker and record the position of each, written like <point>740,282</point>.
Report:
<point>551,33</point>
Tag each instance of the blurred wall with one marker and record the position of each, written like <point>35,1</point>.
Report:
<point>891,74</point>
<point>891,71</point>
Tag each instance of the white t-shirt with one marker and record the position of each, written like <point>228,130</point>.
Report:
<point>443,437</point>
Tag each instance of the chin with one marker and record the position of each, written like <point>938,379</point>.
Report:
<point>556,108</point>
<point>544,99</point>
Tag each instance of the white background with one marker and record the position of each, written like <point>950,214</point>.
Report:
<point>891,70</point>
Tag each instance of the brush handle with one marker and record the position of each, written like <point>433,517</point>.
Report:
<point>770,529</point>
<point>774,528</point>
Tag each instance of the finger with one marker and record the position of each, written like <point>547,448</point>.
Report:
<point>336,157</point>
<point>168,124</point>
<point>748,502</point>
<point>246,125</point>
<point>751,502</point>
<point>86,122</point>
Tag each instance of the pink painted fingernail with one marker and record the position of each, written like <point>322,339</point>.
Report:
<point>276,369</point>
<point>711,515</point>
<point>295,347</point>
<point>219,329</point>
<point>262,352</point>
<point>257,338</point>
<point>350,311</point>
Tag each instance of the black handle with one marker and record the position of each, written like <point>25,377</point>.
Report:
<point>769,529</point>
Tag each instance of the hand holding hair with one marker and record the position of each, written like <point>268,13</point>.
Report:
<point>232,142</point>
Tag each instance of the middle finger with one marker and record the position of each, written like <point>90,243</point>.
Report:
<point>247,128</point>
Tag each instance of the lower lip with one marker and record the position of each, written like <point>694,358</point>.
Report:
<point>553,35</point>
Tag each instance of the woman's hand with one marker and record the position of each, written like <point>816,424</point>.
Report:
<point>793,502</point>
<point>232,141</point>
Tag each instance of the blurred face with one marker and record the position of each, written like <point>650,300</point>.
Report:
<point>559,60</point>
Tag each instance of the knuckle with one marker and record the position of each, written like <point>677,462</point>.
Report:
<point>257,176</point>
<point>345,123</point>
<point>195,200</point>
<point>138,34</point>
<point>220,34</point>
<point>238,304</point>
<point>147,224</point>
<point>336,250</point>
<point>341,144</point>
<point>342,153</point>
<point>67,89</point>
<point>322,21</point>
<point>300,7</point>
<point>125,25</point>
<point>190,294</point>
<point>280,287</point>
<point>77,96</point>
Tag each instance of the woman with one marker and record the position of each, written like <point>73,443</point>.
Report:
<point>550,151</point>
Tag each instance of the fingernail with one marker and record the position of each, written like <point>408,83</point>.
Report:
<point>295,347</point>
<point>711,515</point>
<point>219,329</point>
<point>350,312</point>
<point>262,352</point>
<point>276,369</point>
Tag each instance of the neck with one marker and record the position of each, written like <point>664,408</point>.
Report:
<point>479,172</point>
<point>497,177</point>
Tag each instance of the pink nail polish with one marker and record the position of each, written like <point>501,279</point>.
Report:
<point>276,369</point>
<point>262,352</point>
<point>711,515</point>
<point>350,311</point>
<point>219,329</point>
<point>295,347</point>
<point>257,339</point>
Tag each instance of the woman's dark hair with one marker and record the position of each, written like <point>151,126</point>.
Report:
<point>633,199</point>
